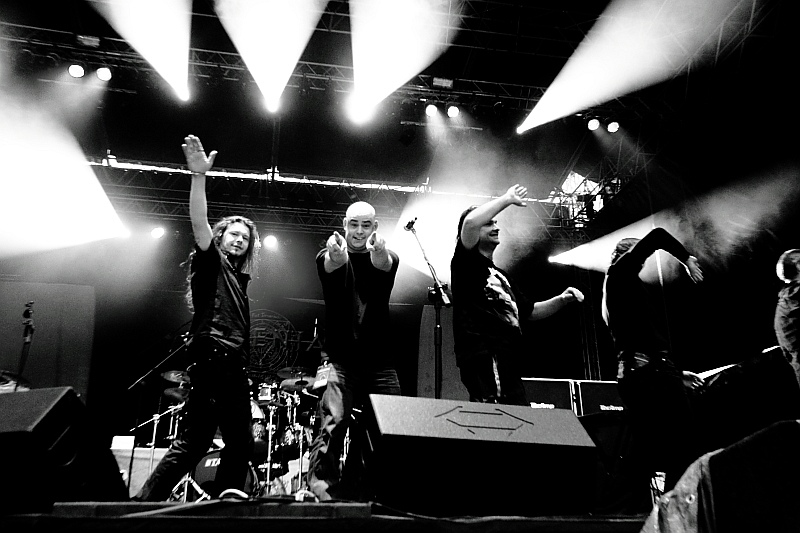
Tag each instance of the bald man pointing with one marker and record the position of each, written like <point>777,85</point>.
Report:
<point>357,273</point>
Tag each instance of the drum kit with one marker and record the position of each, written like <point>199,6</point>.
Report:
<point>283,425</point>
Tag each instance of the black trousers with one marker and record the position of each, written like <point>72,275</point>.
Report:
<point>219,396</point>
<point>666,437</point>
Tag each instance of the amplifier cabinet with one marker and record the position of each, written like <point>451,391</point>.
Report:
<point>596,397</point>
<point>545,393</point>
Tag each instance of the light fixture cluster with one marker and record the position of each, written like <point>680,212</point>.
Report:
<point>77,69</point>
<point>593,122</point>
<point>29,59</point>
<point>451,109</point>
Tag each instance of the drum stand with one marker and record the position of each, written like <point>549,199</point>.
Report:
<point>298,433</point>
<point>181,491</point>
<point>271,425</point>
<point>172,411</point>
<point>300,436</point>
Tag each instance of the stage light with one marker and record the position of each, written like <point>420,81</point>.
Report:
<point>103,74</point>
<point>452,111</point>
<point>270,242</point>
<point>76,70</point>
<point>159,31</point>
<point>157,233</point>
<point>593,124</point>
<point>431,110</point>
<point>613,127</point>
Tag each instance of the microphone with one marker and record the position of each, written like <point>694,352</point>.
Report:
<point>410,225</point>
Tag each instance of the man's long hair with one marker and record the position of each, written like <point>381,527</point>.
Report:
<point>249,264</point>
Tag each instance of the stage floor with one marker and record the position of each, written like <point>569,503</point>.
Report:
<point>287,515</point>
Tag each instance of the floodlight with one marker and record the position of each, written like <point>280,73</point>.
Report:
<point>103,73</point>
<point>76,70</point>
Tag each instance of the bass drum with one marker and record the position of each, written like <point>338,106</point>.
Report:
<point>206,470</point>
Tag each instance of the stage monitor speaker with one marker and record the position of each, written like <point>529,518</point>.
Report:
<point>754,482</point>
<point>455,458</point>
<point>51,453</point>
<point>543,393</point>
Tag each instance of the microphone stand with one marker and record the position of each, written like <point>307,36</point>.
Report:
<point>156,418</point>
<point>160,363</point>
<point>27,337</point>
<point>438,296</point>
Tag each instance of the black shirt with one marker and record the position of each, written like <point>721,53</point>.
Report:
<point>357,309</point>
<point>487,306</point>
<point>632,316</point>
<point>219,298</point>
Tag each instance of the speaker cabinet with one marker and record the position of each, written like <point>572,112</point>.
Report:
<point>543,393</point>
<point>449,458</point>
<point>51,453</point>
<point>592,397</point>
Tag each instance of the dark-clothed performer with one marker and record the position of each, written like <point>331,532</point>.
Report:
<point>787,311</point>
<point>651,386</point>
<point>357,273</point>
<point>222,262</point>
<point>488,307</point>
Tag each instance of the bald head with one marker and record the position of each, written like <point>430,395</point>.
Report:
<point>360,209</point>
<point>359,225</point>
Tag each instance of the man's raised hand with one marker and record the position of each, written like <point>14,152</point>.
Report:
<point>517,194</point>
<point>196,158</point>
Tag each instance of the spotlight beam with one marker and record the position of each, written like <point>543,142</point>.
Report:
<point>638,43</point>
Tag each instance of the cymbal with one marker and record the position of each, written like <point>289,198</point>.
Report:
<point>176,376</point>
<point>293,372</point>
<point>296,384</point>
<point>176,393</point>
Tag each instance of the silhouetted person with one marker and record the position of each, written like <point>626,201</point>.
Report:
<point>652,387</point>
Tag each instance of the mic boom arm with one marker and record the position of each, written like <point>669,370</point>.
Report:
<point>437,292</point>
